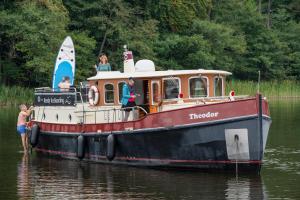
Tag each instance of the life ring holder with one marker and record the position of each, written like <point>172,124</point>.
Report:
<point>93,96</point>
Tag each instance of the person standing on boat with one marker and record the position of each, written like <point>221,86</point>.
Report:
<point>103,64</point>
<point>65,84</point>
<point>21,125</point>
<point>128,97</point>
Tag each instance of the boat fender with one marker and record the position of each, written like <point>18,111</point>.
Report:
<point>80,146</point>
<point>93,95</point>
<point>34,136</point>
<point>111,143</point>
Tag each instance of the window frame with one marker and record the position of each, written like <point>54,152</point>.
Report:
<point>163,85</point>
<point>207,88</point>
<point>222,86</point>
<point>108,83</point>
<point>119,102</point>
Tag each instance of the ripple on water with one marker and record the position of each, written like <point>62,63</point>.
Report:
<point>283,158</point>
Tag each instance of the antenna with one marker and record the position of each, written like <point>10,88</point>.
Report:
<point>258,81</point>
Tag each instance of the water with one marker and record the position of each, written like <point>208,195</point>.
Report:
<point>32,177</point>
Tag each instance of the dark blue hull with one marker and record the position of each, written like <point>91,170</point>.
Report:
<point>199,146</point>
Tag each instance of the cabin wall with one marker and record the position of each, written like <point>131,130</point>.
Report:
<point>184,81</point>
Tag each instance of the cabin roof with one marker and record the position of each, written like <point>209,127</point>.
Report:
<point>118,75</point>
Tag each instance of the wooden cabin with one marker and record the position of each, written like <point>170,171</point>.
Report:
<point>161,90</point>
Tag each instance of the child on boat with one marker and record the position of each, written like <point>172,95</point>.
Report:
<point>65,84</point>
<point>21,125</point>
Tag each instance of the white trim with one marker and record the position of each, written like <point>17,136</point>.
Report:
<point>108,83</point>
<point>163,94</point>
<point>207,88</point>
<point>222,78</point>
<point>159,90</point>
<point>118,90</point>
<point>118,75</point>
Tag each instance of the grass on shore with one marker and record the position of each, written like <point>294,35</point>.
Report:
<point>15,95</point>
<point>273,89</point>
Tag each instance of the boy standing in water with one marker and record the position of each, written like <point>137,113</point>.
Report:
<point>21,125</point>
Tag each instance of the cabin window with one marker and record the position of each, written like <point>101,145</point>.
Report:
<point>171,88</point>
<point>155,93</point>
<point>198,87</point>
<point>109,93</point>
<point>120,89</point>
<point>218,86</point>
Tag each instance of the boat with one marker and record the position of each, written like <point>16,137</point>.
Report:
<point>184,119</point>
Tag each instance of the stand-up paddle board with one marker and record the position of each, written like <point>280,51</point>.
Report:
<point>65,63</point>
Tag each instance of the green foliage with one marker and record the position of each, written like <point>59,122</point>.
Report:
<point>84,46</point>
<point>231,35</point>
<point>113,23</point>
<point>15,95</point>
<point>32,36</point>
<point>205,45</point>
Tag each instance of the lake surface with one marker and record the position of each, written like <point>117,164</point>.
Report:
<point>33,177</point>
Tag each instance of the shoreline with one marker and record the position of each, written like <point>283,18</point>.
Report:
<point>16,95</point>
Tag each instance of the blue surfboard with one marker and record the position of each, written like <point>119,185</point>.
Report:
<point>65,63</point>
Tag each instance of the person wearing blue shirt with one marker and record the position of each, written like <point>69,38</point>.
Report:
<point>128,97</point>
<point>103,64</point>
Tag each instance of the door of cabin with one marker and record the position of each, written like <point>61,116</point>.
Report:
<point>155,100</point>
<point>143,90</point>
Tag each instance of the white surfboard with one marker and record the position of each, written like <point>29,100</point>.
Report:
<point>65,63</point>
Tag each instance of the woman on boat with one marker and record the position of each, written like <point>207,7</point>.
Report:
<point>128,97</point>
<point>21,125</point>
<point>103,64</point>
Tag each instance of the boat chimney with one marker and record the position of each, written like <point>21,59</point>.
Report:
<point>128,61</point>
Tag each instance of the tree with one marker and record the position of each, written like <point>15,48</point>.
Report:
<point>206,45</point>
<point>32,32</point>
<point>265,51</point>
<point>113,23</point>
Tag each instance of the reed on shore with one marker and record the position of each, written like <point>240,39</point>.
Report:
<point>271,89</point>
<point>15,95</point>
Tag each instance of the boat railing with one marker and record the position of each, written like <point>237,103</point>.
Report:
<point>79,94</point>
<point>111,115</point>
<point>215,98</point>
<point>54,90</point>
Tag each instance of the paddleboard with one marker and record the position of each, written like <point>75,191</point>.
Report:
<point>65,63</point>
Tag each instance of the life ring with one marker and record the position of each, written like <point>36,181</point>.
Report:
<point>80,146</point>
<point>34,136</point>
<point>110,151</point>
<point>93,96</point>
<point>231,95</point>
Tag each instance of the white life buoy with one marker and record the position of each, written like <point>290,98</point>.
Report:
<point>93,96</point>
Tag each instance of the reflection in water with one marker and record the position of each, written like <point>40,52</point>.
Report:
<point>44,178</point>
<point>23,178</point>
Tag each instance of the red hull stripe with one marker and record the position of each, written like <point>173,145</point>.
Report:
<point>154,159</point>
